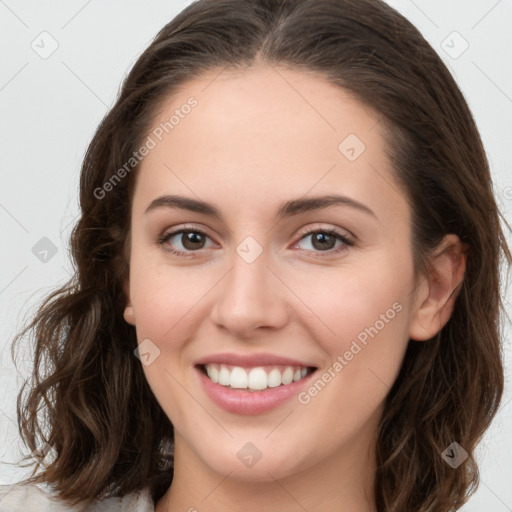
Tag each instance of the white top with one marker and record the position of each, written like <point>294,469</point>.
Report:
<point>35,498</point>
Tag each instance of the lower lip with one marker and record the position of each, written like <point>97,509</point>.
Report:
<point>250,402</point>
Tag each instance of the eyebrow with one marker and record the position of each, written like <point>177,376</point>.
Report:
<point>287,209</point>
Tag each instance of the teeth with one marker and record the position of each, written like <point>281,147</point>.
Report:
<point>213,373</point>
<point>223,376</point>
<point>256,379</point>
<point>238,378</point>
<point>274,378</point>
<point>287,377</point>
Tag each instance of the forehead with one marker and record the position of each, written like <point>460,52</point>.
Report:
<point>265,131</point>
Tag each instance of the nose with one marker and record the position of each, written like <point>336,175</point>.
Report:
<point>250,299</point>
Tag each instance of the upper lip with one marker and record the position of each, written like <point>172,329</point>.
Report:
<point>250,360</point>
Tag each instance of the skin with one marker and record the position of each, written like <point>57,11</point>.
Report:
<point>257,138</point>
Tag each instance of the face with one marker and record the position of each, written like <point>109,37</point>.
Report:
<point>300,305</point>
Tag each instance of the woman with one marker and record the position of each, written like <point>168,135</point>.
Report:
<point>287,285</point>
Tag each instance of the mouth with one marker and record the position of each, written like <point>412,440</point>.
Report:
<point>251,384</point>
<point>255,378</point>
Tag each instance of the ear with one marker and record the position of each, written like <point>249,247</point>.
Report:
<point>437,294</point>
<point>129,314</point>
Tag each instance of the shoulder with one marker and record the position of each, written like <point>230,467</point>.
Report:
<point>35,498</point>
<point>30,498</point>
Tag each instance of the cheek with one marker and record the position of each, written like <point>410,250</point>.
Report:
<point>166,310</point>
<point>352,301</point>
<point>364,313</point>
<point>165,299</point>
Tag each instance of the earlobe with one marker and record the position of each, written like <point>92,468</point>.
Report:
<point>128,314</point>
<point>441,289</point>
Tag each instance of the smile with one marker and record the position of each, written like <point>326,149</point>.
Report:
<point>257,378</point>
<point>252,383</point>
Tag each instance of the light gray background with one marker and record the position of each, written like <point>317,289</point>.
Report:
<point>50,107</point>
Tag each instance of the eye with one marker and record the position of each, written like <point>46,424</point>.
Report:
<point>191,240</point>
<point>324,241</point>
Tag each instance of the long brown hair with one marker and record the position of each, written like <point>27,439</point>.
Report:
<point>88,397</point>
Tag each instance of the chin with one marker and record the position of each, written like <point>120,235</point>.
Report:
<point>244,461</point>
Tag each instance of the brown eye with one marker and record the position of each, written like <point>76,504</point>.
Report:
<point>192,240</point>
<point>323,241</point>
<point>184,241</point>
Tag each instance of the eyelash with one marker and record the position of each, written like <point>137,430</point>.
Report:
<point>347,242</point>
